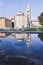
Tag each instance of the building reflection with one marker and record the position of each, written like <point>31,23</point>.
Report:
<point>4,34</point>
<point>40,36</point>
<point>21,37</point>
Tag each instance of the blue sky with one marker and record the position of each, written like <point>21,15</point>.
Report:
<point>10,8</point>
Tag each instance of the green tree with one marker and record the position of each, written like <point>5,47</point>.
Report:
<point>40,36</point>
<point>41,18</point>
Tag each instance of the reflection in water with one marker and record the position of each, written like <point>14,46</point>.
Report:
<point>4,34</point>
<point>40,36</point>
<point>13,52</point>
<point>21,37</point>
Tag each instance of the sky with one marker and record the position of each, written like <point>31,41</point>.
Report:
<point>9,8</point>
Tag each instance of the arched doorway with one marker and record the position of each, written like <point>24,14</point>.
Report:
<point>12,24</point>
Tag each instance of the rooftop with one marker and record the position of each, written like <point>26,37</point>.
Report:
<point>20,13</point>
<point>4,18</point>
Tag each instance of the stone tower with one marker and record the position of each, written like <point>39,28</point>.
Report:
<point>28,13</point>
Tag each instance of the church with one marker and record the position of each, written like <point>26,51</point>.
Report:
<point>20,20</point>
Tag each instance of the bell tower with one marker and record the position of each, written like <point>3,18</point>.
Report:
<point>28,14</point>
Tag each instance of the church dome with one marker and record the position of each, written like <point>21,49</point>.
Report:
<point>20,13</point>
